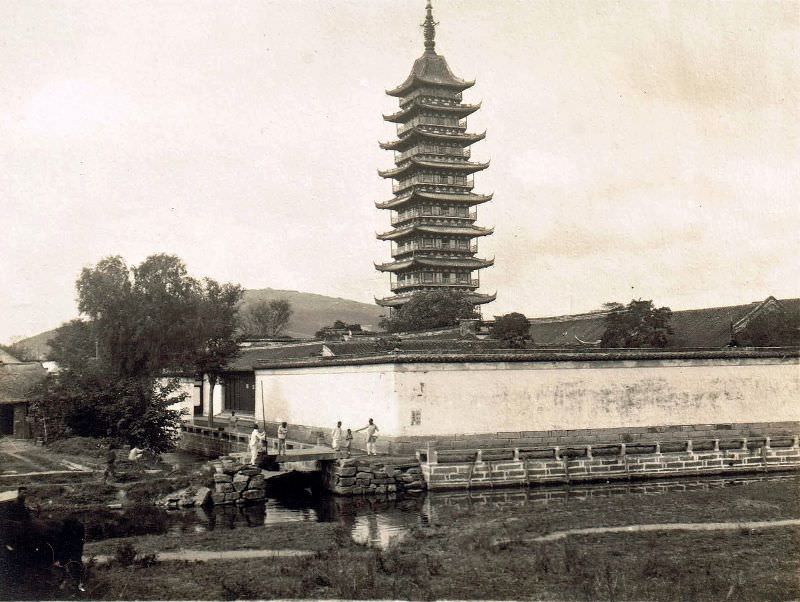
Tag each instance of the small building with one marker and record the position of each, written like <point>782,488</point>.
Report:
<point>17,380</point>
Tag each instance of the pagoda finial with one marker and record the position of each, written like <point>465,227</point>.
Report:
<point>429,28</point>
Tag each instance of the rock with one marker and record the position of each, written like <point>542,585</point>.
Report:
<point>218,498</point>
<point>240,486</point>
<point>253,494</point>
<point>186,503</point>
<point>380,474</point>
<point>256,482</point>
<point>380,489</point>
<point>358,491</point>
<point>363,475</point>
<point>232,497</point>
<point>343,490</point>
<point>250,471</point>
<point>346,471</point>
<point>202,497</point>
<point>407,478</point>
<point>223,478</point>
<point>346,482</point>
<point>223,487</point>
<point>348,462</point>
<point>391,488</point>
<point>362,482</point>
<point>416,485</point>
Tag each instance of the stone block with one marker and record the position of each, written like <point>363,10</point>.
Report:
<point>380,489</point>
<point>363,475</point>
<point>362,482</point>
<point>346,482</point>
<point>223,487</point>
<point>250,471</point>
<point>380,474</point>
<point>391,488</point>
<point>222,478</point>
<point>348,462</point>
<point>256,482</point>
<point>252,495</point>
<point>202,496</point>
<point>346,471</point>
<point>343,490</point>
<point>218,498</point>
<point>232,497</point>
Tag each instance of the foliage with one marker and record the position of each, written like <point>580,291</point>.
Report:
<point>639,324</point>
<point>141,322</point>
<point>154,317</point>
<point>137,411</point>
<point>267,318</point>
<point>336,329</point>
<point>776,328</point>
<point>431,309</point>
<point>20,352</point>
<point>512,329</point>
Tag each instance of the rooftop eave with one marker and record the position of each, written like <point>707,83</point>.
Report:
<point>473,231</point>
<point>470,199</point>
<point>398,144</point>
<point>414,81</point>
<point>467,167</point>
<point>462,110</point>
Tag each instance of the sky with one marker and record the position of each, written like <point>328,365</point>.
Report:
<point>639,149</point>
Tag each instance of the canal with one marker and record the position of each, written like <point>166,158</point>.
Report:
<point>377,522</point>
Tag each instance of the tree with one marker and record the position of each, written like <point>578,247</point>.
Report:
<point>432,309</point>
<point>512,329</point>
<point>267,318</point>
<point>775,328</point>
<point>639,324</point>
<point>141,322</point>
<point>337,330</point>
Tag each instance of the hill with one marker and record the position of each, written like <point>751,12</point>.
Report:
<point>311,312</point>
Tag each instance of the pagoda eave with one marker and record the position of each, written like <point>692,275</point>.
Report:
<point>472,231</point>
<point>471,263</point>
<point>403,298</point>
<point>466,167</point>
<point>467,199</point>
<point>401,143</point>
<point>412,82</point>
<point>460,110</point>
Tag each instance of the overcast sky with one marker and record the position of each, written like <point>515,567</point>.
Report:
<point>638,149</point>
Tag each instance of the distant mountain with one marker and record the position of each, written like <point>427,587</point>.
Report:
<point>311,312</point>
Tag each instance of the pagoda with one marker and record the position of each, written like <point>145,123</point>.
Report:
<point>433,233</point>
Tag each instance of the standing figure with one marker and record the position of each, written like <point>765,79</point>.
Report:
<point>256,441</point>
<point>372,436</point>
<point>348,442</point>
<point>111,461</point>
<point>336,437</point>
<point>233,423</point>
<point>282,430</point>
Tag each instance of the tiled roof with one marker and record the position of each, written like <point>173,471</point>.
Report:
<point>16,380</point>
<point>430,68</point>
<point>693,328</point>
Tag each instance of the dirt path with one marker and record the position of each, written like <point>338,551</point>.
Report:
<point>558,535</point>
<point>206,555</point>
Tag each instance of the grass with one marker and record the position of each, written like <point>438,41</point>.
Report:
<point>456,557</point>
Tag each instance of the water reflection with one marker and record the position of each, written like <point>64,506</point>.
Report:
<point>379,521</point>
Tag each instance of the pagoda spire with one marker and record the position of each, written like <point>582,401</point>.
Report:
<point>429,29</point>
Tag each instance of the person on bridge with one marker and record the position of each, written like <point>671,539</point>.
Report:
<point>336,437</point>
<point>256,442</point>
<point>282,430</point>
<point>372,436</point>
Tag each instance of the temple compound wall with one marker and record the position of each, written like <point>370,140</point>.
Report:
<point>478,403</point>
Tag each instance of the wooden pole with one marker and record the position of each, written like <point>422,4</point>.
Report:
<point>263,414</point>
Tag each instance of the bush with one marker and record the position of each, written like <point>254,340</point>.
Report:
<point>513,330</point>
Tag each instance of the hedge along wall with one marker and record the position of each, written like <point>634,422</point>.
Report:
<point>471,403</point>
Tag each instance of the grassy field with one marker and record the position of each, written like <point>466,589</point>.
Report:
<point>457,557</point>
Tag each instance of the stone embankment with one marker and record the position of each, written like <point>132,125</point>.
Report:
<point>373,476</point>
<point>459,469</point>
<point>237,483</point>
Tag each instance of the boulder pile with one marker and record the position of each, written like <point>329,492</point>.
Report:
<point>237,483</point>
<point>186,498</point>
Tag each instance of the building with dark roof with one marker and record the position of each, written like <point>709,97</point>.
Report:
<point>17,380</point>
<point>433,217</point>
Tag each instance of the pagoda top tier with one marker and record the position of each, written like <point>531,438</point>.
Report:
<point>430,69</point>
